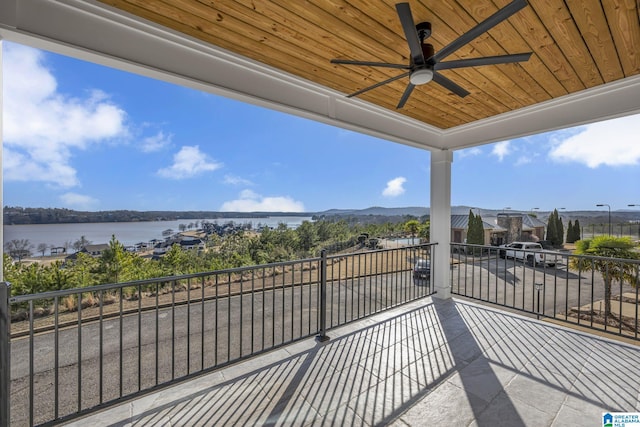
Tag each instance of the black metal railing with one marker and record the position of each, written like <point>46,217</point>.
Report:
<point>65,353</point>
<point>588,291</point>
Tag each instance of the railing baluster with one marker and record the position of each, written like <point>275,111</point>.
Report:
<point>301,294</point>
<point>309,307</point>
<point>5,355</point>
<point>240,323</point>
<point>188,326</point>
<point>273,306</point>
<point>120,339</point>
<point>355,286</point>
<point>322,336</point>
<point>79,352</point>
<point>293,305</point>
<point>264,297</point>
<point>253,310</point>
<point>157,309</point>
<point>31,363</point>
<point>284,275</point>
<point>394,280</point>
<point>282,309</point>
<point>215,330</point>
<point>56,357</point>
<point>202,303</point>
<point>592,295</point>
<point>173,330</point>
<point>566,290</point>
<point>333,284</point>
<point>228,317</point>
<point>330,303</point>
<point>367,284</point>
<point>621,281</point>
<point>101,358</point>
<point>139,290</point>
<point>607,296</point>
<point>637,280</point>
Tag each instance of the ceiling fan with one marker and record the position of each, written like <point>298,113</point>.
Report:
<point>425,62</point>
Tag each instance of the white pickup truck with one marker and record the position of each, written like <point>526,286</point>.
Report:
<point>531,252</point>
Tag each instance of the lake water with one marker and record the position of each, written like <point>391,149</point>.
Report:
<point>128,233</point>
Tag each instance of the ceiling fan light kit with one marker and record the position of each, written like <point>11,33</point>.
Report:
<point>421,76</point>
<point>424,62</point>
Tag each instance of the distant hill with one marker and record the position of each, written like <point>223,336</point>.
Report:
<point>19,215</point>
<point>378,211</point>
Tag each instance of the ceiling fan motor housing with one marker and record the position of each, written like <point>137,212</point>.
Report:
<point>427,51</point>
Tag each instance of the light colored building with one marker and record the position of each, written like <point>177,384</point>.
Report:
<point>501,229</point>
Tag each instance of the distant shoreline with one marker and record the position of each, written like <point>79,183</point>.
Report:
<point>127,233</point>
<point>35,216</point>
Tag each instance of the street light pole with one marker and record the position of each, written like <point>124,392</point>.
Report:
<point>609,208</point>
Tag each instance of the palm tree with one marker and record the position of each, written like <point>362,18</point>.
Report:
<point>611,252</point>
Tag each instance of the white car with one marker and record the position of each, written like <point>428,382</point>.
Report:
<point>531,252</point>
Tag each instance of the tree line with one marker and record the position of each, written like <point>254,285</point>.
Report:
<point>20,215</point>
<point>239,249</point>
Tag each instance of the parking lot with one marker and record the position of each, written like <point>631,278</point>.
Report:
<point>512,283</point>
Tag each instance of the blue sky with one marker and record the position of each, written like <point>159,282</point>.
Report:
<point>83,136</point>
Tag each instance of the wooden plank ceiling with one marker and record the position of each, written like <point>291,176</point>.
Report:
<point>576,45</point>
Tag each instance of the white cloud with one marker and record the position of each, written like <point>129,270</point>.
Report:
<point>610,143</point>
<point>250,201</point>
<point>468,152</point>
<point>523,160</point>
<point>394,187</point>
<point>43,127</point>
<point>79,201</point>
<point>156,142</point>
<point>189,162</point>
<point>236,180</point>
<point>501,149</point>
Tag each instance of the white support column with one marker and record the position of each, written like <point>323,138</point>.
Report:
<point>441,221</point>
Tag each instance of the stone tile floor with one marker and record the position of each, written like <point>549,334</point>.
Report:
<point>428,363</point>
